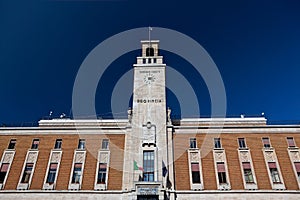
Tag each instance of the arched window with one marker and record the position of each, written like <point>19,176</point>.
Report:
<point>149,51</point>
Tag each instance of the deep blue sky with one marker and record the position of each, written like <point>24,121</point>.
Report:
<point>255,45</point>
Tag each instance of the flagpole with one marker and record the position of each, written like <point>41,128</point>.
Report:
<point>150,36</point>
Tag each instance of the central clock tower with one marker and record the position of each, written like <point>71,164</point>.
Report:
<point>146,141</point>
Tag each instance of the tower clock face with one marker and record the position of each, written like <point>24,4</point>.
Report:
<point>149,78</point>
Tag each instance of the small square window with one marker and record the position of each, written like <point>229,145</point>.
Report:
<point>291,142</point>
<point>12,144</point>
<point>193,143</point>
<point>266,142</point>
<point>217,143</point>
<point>242,143</point>
<point>35,144</point>
<point>58,144</point>
<point>105,143</point>
<point>81,144</point>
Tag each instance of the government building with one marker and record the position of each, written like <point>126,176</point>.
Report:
<point>150,156</point>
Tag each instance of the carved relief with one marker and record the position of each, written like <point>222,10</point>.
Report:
<point>219,157</point>
<point>32,157</point>
<point>194,156</point>
<point>244,155</point>
<point>55,157</point>
<point>270,156</point>
<point>79,157</point>
<point>8,157</point>
<point>295,156</point>
<point>103,157</point>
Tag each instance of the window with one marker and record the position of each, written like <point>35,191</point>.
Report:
<point>266,142</point>
<point>193,143</point>
<point>195,173</point>
<point>58,144</point>
<point>102,173</point>
<point>77,173</point>
<point>154,60</point>
<point>247,172</point>
<point>148,165</point>
<point>35,144</point>
<point>291,142</point>
<point>221,172</point>
<point>52,173</point>
<point>12,144</point>
<point>27,173</point>
<point>274,172</point>
<point>81,144</point>
<point>149,51</point>
<point>217,143</point>
<point>242,143</point>
<point>3,171</point>
<point>297,166</point>
<point>105,143</point>
<point>144,61</point>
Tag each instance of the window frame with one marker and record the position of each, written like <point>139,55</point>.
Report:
<point>105,144</point>
<point>58,144</point>
<point>193,143</point>
<point>26,174</point>
<point>35,143</point>
<point>242,143</point>
<point>81,144</point>
<point>12,144</point>
<point>148,166</point>
<point>3,174</point>
<point>288,139</point>
<point>268,144</point>
<point>77,174</point>
<point>217,143</point>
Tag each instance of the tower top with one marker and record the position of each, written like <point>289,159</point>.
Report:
<point>150,53</point>
<point>150,48</point>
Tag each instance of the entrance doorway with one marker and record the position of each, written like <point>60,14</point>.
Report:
<point>147,197</point>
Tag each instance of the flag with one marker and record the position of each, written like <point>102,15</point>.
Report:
<point>136,166</point>
<point>169,184</point>
<point>164,169</point>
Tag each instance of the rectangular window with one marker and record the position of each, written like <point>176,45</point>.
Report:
<point>148,166</point>
<point>144,61</point>
<point>266,142</point>
<point>154,60</point>
<point>291,142</point>
<point>35,144</point>
<point>217,143</point>
<point>77,172</point>
<point>297,166</point>
<point>274,172</point>
<point>12,144</point>
<point>221,172</point>
<point>105,143</point>
<point>58,144</point>
<point>81,144</point>
<point>193,143</point>
<point>195,173</point>
<point>3,171</point>
<point>102,173</point>
<point>52,173</point>
<point>248,172</point>
<point>27,173</point>
<point>242,143</point>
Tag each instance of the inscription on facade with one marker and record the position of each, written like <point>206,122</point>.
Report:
<point>149,101</point>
